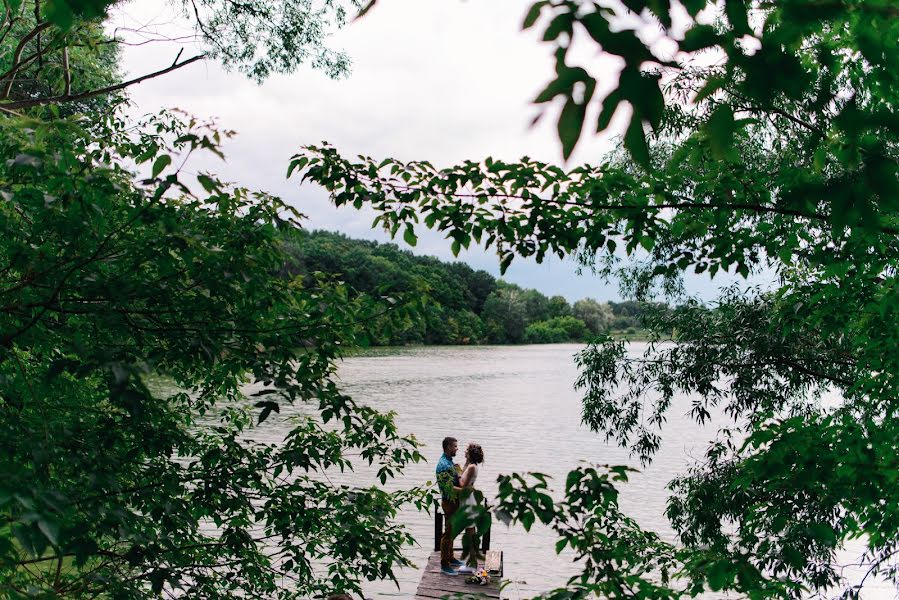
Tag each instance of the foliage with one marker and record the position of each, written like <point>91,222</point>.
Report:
<point>621,559</point>
<point>110,489</point>
<point>774,148</point>
<point>58,52</point>
<point>597,317</point>
<point>271,36</point>
<point>556,330</point>
<point>464,306</point>
<point>38,60</point>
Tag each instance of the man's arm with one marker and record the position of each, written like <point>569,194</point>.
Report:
<point>446,482</point>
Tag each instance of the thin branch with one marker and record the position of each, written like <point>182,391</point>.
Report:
<point>67,73</point>
<point>17,55</point>
<point>32,57</point>
<point>99,92</point>
<point>37,19</point>
<point>8,20</point>
<point>58,573</point>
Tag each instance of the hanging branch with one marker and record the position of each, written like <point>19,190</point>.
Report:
<point>99,92</point>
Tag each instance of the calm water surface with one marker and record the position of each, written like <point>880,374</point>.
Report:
<point>519,403</point>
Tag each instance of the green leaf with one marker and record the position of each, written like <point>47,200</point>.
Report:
<point>699,37</point>
<point>571,121</point>
<point>157,579</point>
<point>635,140</point>
<point>409,235</point>
<point>721,127</point>
<point>643,92</point>
<point>14,5</point>
<point>533,14</point>
<point>208,183</point>
<point>267,407</point>
<point>718,575</point>
<point>738,14</point>
<point>694,6</point>
<point>503,515</point>
<point>563,84</point>
<point>60,13</point>
<point>296,164</point>
<point>609,106</point>
<point>160,164</point>
<point>527,519</point>
<point>712,85</point>
<point>50,530</point>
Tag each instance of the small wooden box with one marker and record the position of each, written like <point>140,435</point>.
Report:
<point>494,563</point>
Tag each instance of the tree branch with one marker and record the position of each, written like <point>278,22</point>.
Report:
<point>67,73</point>
<point>99,92</point>
<point>17,55</point>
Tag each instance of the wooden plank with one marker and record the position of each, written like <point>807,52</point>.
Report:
<point>452,584</point>
<point>434,584</point>
<point>461,586</point>
<point>471,590</point>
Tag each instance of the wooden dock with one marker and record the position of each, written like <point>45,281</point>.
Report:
<point>435,584</point>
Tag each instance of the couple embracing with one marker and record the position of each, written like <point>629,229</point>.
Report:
<point>457,483</point>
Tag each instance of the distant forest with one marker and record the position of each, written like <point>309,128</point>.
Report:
<point>465,306</point>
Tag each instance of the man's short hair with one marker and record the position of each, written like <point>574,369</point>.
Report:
<point>447,441</point>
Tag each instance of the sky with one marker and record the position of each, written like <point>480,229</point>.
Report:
<point>441,80</point>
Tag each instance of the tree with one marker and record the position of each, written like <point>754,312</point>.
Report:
<point>780,155</point>
<point>558,307</point>
<point>556,330</point>
<point>597,317</point>
<point>480,285</point>
<point>504,315</point>
<point>116,486</point>
<point>60,53</point>
<point>112,489</point>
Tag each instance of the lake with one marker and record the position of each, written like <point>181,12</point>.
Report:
<point>520,404</point>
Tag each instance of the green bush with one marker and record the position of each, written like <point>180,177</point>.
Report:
<point>556,330</point>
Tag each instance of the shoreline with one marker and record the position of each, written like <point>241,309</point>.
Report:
<point>640,336</point>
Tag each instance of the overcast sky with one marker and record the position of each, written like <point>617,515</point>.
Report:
<point>442,80</point>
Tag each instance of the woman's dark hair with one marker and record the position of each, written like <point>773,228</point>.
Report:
<point>474,454</point>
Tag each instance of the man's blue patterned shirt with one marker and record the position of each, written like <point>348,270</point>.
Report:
<point>447,477</point>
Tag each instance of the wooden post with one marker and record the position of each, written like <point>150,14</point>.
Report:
<point>438,525</point>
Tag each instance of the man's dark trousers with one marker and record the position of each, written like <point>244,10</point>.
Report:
<point>446,541</point>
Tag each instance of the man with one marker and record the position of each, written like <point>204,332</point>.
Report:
<point>448,482</point>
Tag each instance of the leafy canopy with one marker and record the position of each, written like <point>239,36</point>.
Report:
<point>58,52</point>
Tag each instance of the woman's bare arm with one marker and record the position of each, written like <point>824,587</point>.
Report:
<point>466,476</point>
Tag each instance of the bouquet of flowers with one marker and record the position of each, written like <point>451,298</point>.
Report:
<point>479,577</point>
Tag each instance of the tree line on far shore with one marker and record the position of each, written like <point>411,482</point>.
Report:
<point>464,305</point>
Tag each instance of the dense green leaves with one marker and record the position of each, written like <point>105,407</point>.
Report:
<point>118,483</point>
<point>756,44</point>
<point>463,306</point>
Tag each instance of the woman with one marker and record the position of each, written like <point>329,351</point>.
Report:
<point>474,456</point>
